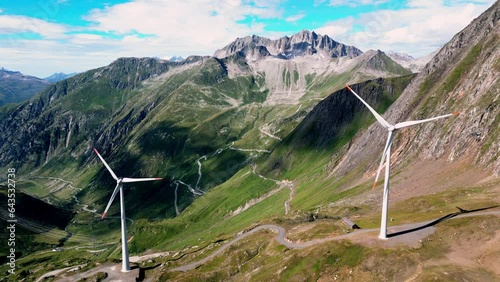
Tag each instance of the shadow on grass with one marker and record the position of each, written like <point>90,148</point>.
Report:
<point>446,217</point>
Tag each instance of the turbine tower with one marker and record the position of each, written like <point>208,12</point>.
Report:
<point>119,187</point>
<point>387,156</point>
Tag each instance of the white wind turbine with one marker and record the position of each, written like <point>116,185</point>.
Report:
<point>119,187</point>
<point>387,155</point>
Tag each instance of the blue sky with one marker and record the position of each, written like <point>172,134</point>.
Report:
<point>41,37</point>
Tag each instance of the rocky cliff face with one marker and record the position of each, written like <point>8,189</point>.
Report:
<point>464,77</point>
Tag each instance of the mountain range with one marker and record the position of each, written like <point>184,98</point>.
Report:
<point>264,132</point>
<point>16,87</point>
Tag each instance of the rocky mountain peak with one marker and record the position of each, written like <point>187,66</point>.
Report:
<point>6,72</point>
<point>302,43</point>
<point>304,36</point>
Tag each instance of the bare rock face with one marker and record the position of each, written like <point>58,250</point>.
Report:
<point>248,43</point>
<point>462,77</point>
<point>299,44</point>
<point>291,65</point>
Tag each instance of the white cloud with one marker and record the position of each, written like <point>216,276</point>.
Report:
<point>425,3</point>
<point>45,57</point>
<point>177,27</point>
<point>20,24</point>
<point>318,2</point>
<point>337,29</point>
<point>1,11</point>
<point>295,18</point>
<point>205,23</point>
<point>355,3</point>
<point>419,29</point>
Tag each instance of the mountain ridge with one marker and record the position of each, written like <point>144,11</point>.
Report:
<point>442,82</point>
<point>302,43</point>
<point>16,87</point>
<point>58,76</point>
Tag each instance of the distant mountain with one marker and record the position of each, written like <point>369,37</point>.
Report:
<point>292,70</point>
<point>58,76</point>
<point>303,43</point>
<point>176,59</point>
<point>415,65</point>
<point>292,66</point>
<point>16,87</point>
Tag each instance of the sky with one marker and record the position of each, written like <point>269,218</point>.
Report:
<point>41,37</point>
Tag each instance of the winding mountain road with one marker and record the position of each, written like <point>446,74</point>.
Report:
<point>300,245</point>
<point>281,239</point>
<point>269,134</point>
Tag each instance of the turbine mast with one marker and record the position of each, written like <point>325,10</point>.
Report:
<point>119,187</point>
<point>385,200</point>
<point>125,260</point>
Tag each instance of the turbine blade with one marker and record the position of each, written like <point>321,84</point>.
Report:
<point>106,165</point>
<point>117,188</point>
<point>413,122</point>
<point>127,180</point>
<point>388,144</point>
<point>379,118</point>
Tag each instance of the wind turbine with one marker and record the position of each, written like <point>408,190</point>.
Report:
<point>119,187</point>
<point>387,155</point>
